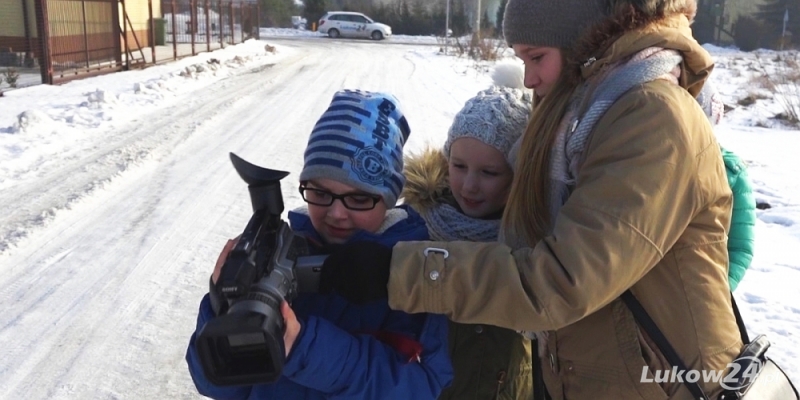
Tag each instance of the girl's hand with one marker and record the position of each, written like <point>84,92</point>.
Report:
<point>222,257</point>
<point>292,327</point>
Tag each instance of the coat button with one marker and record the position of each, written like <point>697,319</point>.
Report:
<point>478,329</point>
<point>434,275</point>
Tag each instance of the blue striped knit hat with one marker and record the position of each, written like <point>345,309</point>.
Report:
<point>359,141</point>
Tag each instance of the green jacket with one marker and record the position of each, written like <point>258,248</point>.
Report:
<point>741,238</point>
<point>489,362</point>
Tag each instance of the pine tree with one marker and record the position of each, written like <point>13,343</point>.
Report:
<point>314,10</point>
<point>458,19</point>
<point>422,18</point>
<point>362,6</point>
<point>501,11</point>
<point>406,19</point>
<point>277,13</point>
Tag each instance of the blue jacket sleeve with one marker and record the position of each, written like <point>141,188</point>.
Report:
<point>347,366</point>
<point>741,238</point>
<point>203,385</point>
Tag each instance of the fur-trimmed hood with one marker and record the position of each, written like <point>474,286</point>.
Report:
<point>632,31</point>
<point>426,180</point>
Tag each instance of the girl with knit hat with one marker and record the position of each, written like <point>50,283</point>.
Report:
<point>461,191</point>
<point>351,178</point>
<point>619,187</point>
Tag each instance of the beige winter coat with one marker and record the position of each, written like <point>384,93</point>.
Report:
<point>649,212</point>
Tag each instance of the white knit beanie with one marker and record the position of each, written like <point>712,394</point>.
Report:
<point>496,116</point>
<point>711,103</point>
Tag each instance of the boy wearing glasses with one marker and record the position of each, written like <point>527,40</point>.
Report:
<point>351,178</point>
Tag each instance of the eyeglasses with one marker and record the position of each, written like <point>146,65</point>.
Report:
<point>356,202</point>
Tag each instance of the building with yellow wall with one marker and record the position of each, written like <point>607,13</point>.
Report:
<point>17,33</point>
<point>78,29</point>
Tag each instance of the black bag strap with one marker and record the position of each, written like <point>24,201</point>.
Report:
<point>740,321</point>
<point>649,326</point>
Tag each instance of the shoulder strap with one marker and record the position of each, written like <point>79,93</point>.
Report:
<point>661,341</point>
<point>739,321</point>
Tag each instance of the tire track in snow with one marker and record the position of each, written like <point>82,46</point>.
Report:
<point>103,298</point>
<point>32,204</point>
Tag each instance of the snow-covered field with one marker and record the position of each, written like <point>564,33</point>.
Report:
<point>116,195</point>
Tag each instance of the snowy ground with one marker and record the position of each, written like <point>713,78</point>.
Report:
<point>116,195</point>
<point>768,295</point>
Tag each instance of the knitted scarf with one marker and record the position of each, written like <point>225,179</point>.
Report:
<point>446,223</point>
<point>570,144</point>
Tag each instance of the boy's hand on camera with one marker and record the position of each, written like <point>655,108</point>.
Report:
<point>222,257</point>
<point>358,271</point>
<point>292,327</point>
<point>216,301</point>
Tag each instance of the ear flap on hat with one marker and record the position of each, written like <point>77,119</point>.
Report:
<point>404,128</point>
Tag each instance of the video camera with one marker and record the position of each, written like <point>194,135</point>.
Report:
<point>243,345</point>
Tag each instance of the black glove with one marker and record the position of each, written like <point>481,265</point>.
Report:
<point>358,271</point>
<point>216,302</point>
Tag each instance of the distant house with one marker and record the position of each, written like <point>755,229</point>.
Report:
<point>18,36</point>
<point>736,8</point>
<point>183,22</point>
<point>719,16</point>
<point>139,15</point>
<point>80,37</point>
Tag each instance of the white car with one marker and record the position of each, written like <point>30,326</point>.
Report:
<point>352,24</point>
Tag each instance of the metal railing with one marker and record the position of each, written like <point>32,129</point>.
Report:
<point>194,26</point>
<point>81,38</point>
<point>73,39</point>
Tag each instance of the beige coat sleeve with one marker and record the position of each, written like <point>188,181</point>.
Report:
<point>635,195</point>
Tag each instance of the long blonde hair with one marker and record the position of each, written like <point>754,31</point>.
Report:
<point>527,218</point>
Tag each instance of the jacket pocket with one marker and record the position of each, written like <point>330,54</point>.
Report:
<point>640,355</point>
<point>591,380</point>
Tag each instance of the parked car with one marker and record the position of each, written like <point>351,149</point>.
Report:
<point>352,24</point>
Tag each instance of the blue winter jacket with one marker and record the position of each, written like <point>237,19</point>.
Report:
<point>335,355</point>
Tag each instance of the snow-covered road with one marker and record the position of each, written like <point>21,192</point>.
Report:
<point>114,241</point>
<point>117,193</point>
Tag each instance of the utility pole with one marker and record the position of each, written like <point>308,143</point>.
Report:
<point>785,22</point>
<point>446,26</point>
<point>447,20</point>
<point>478,24</point>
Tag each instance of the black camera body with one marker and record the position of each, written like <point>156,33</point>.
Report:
<point>243,345</point>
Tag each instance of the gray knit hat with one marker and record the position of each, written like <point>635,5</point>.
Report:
<point>550,23</point>
<point>496,116</point>
<point>359,141</point>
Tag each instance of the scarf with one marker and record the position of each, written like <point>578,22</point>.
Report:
<point>570,144</point>
<point>446,223</point>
